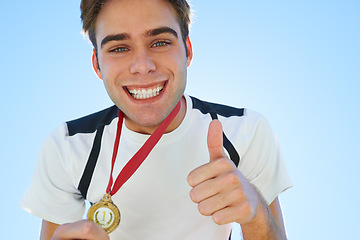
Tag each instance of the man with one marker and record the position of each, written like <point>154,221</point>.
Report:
<point>187,186</point>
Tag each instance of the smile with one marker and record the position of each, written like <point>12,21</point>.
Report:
<point>145,93</point>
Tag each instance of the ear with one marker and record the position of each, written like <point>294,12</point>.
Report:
<point>189,51</point>
<point>96,65</point>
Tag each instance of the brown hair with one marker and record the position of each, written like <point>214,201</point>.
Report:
<point>90,10</point>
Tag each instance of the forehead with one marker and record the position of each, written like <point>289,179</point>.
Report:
<point>135,17</point>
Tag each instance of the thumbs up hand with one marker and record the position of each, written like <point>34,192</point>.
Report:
<point>218,187</point>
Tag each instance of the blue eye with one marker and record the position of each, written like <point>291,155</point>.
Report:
<point>119,49</point>
<point>161,44</point>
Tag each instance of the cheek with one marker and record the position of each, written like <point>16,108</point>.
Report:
<point>111,78</point>
<point>111,72</point>
<point>181,69</point>
<point>177,62</point>
<point>111,63</point>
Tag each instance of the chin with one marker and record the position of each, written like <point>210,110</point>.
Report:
<point>143,125</point>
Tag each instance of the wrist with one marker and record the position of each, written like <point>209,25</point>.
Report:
<point>263,225</point>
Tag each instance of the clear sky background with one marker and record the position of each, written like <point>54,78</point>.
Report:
<point>297,62</point>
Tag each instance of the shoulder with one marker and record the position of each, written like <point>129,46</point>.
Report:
<point>238,122</point>
<point>228,114</point>
<point>80,130</point>
<point>92,122</point>
<point>216,108</point>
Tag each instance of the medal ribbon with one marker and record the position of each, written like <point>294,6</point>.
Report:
<point>139,157</point>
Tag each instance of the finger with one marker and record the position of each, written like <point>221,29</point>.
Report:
<point>209,171</point>
<point>226,208</point>
<point>229,215</point>
<point>83,229</point>
<point>204,191</point>
<point>228,186</point>
<point>215,140</point>
<point>216,203</point>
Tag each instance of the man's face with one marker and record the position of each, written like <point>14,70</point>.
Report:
<point>142,59</point>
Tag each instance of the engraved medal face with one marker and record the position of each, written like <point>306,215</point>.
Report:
<point>105,213</point>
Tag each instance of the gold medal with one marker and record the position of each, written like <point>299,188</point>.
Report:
<point>105,213</point>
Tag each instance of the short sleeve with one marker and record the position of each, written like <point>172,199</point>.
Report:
<point>52,195</point>
<point>262,163</point>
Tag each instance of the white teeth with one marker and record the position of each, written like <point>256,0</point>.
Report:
<point>145,94</point>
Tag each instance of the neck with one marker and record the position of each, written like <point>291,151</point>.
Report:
<point>179,117</point>
<point>173,125</point>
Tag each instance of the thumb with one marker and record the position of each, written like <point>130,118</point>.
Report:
<point>215,140</point>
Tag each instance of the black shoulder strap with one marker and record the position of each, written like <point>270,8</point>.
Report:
<point>90,124</point>
<point>91,163</point>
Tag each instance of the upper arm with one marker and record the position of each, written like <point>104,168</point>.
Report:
<point>277,213</point>
<point>47,230</point>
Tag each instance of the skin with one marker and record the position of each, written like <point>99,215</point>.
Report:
<point>133,55</point>
<point>83,229</point>
<point>140,47</point>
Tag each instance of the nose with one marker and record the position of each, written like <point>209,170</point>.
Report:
<point>142,63</point>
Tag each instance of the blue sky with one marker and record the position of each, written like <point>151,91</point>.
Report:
<point>297,62</point>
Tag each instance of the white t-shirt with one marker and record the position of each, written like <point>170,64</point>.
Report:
<point>154,203</point>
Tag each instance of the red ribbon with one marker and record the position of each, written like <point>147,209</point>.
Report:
<point>139,157</point>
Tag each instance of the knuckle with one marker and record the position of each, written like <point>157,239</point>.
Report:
<point>87,228</point>
<point>246,210</point>
<point>231,178</point>
<point>238,194</point>
<point>243,214</point>
<point>222,163</point>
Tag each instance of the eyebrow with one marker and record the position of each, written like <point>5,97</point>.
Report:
<point>150,33</point>
<point>158,31</point>
<point>116,37</point>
